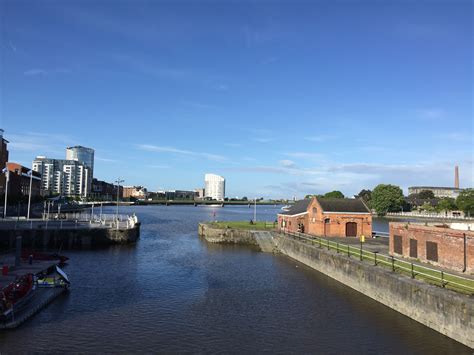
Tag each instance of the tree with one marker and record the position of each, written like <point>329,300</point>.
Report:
<point>446,204</point>
<point>387,198</point>
<point>334,194</point>
<point>465,201</point>
<point>426,194</point>
<point>427,207</point>
<point>244,198</point>
<point>365,195</point>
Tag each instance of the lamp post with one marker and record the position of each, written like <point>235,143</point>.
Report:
<point>255,211</point>
<point>118,181</point>
<point>7,178</point>
<point>29,196</point>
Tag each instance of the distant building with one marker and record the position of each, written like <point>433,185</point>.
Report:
<point>328,217</point>
<point>105,191</point>
<point>215,187</point>
<point>438,192</point>
<point>3,161</point>
<point>62,177</point>
<point>19,181</point>
<point>176,195</point>
<point>86,156</point>
<point>200,193</point>
<point>138,192</point>
<point>441,246</point>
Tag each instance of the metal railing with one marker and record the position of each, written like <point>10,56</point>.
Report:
<point>72,221</point>
<point>430,215</point>
<point>415,271</point>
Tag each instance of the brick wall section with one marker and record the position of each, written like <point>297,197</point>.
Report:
<point>290,223</point>
<point>450,245</point>
<point>337,222</point>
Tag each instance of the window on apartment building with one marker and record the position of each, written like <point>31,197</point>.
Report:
<point>397,244</point>
<point>413,248</point>
<point>432,251</point>
<point>315,210</point>
<point>327,220</point>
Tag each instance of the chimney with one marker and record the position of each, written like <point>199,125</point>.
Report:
<point>456,177</point>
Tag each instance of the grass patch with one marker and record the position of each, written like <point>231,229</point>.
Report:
<point>260,225</point>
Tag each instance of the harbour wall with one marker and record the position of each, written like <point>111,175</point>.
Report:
<point>445,311</point>
<point>69,238</point>
<point>226,236</point>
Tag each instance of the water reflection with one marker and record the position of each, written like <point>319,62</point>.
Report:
<point>173,292</point>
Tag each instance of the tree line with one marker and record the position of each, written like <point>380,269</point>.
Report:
<point>386,198</point>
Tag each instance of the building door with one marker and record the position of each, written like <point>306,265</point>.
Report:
<point>351,229</point>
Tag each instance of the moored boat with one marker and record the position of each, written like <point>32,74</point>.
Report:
<point>15,295</point>
<point>26,254</point>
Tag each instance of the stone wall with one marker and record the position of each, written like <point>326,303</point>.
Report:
<point>451,245</point>
<point>68,238</point>
<point>445,311</point>
<point>227,235</point>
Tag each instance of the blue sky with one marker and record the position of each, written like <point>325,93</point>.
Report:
<point>281,98</point>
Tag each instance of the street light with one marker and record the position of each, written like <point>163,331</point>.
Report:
<point>255,211</point>
<point>29,196</point>
<point>7,178</point>
<point>118,181</point>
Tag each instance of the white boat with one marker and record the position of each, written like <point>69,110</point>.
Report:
<point>286,208</point>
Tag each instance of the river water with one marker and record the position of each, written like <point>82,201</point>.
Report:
<point>173,292</point>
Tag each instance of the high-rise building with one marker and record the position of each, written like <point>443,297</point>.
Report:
<point>3,161</point>
<point>63,177</point>
<point>215,187</point>
<point>86,156</point>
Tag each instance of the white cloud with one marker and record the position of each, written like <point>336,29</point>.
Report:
<point>183,152</point>
<point>431,114</point>
<point>287,163</point>
<point>321,138</point>
<point>304,155</point>
<point>263,139</point>
<point>38,71</point>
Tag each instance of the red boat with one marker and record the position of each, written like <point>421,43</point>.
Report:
<point>25,254</point>
<point>15,294</point>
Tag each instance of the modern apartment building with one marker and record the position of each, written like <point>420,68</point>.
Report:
<point>215,187</point>
<point>63,177</point>
<point>84,155</point>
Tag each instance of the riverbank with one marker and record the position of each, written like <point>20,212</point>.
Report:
<point>445,311</point>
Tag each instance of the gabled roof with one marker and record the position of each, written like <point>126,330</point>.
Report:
<point>349,205</point>
<point>299,207</point>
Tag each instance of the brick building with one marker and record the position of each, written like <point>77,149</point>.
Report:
<point>19,181</point>
<point>138,192</point>
<point>445,247</point>
<point>3,161</point>
<point>296,218</point>
<point>326,217</point>
<point>105,191</point>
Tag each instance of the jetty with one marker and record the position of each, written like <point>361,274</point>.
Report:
<point>70,230</point>
<point>14,268</point>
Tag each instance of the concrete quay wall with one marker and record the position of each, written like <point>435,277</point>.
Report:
<point>227,236</point>
<point>68,238</point>
<point>445,311</point>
